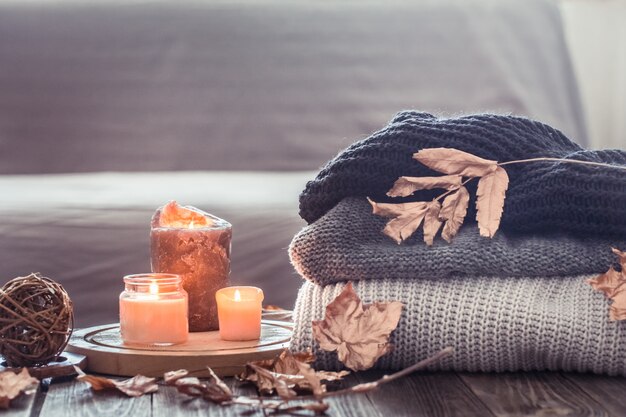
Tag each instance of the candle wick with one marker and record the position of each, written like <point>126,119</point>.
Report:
<point>154,288</point>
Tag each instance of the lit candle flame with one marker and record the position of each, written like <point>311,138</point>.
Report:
<point>154,288</point>
<point>237,295</point>
<point>191,226</point>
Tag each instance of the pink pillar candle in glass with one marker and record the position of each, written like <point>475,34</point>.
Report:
<point>195,245</point>
<point>153,310</point>
<point>239,311</point>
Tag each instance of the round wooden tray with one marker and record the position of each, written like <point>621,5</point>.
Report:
<point>107,354</point>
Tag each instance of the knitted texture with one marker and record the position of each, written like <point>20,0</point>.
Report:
<point>506,324</point>
<point>542,196</point>
<point>347,243</point>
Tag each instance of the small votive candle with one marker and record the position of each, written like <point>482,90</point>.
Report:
<point>239,313</point>
<point>154,310</point>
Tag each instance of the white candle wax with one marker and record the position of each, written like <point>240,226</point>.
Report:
<point>153,310</point>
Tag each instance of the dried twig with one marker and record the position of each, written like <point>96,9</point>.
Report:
<point>369,386</point>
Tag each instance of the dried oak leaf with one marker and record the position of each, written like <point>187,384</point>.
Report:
<point>613,284</point>
<point>454,162</point>
<point>359,333</point>
<point>490,201</point>
<point>432,222</point>
<point>405,186</point>
<point>453,211</point>
<point>288,371</point>
<point>212,389</point>
<point>408,218</point>
<point>133,387</point>
<point>13,384</point>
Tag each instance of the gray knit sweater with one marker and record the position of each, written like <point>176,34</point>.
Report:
<point>347,244</point>
<point>502,324</point>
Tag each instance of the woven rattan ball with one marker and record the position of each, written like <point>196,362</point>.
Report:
<point>36,320</point>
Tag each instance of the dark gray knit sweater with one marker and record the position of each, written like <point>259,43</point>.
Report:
<point>542,196</point>
<point>346,244</point>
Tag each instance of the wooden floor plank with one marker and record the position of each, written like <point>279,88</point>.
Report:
<point>23,405</point>
<point>425,394</point>
<point>169,403</point>
<point>608,391</point>
<point>532,394</point>
<point>352,405</point>
<point>73,398</point>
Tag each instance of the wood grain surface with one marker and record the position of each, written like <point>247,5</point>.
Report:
<point>421,394</point>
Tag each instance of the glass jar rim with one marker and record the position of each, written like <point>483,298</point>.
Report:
<point>153,277</point>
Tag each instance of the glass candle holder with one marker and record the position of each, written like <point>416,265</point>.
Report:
<point>154,310</point>
<point>239,311</point>
<point>195,245</point>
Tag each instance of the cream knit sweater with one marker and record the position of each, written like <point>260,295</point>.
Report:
<point>493,324</point>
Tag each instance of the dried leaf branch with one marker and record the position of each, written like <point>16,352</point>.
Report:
<point>456,165</point>
<point>369,386</point>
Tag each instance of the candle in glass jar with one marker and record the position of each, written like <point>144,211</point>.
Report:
<point>239,310</point>
<point>195,245</point>
<point>153,310</point>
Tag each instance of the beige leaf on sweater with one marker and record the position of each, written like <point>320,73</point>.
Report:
<point>358,333</point>
<point>453,211</point>
<point>455,162</point>
<point>394,210</point>
<point>622,257</point>
<point>408,217</point>
<point>608,283</point>
<point>490,201</point>
<point>405,186</point>
<point>613,285</point>
<point>432,222</point>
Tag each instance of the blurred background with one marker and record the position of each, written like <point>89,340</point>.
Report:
<point>109,109</point>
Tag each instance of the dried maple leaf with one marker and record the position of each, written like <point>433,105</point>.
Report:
<point>133,387</point>
<point>432,222</point>
<point>613,284</point>
<point>359,333</point>
<point>455,162</point>
<point>405,186</point>
<point>490,201</point>
<point>212,389</point>
<point>453,211</point>
<point>13,384</point>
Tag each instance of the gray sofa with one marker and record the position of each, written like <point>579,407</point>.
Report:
<point>109,109</point>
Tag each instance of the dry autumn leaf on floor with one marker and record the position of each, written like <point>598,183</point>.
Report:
<point>133,387</point>
<point>13,384</point>
<point>613,284</point>
<point>288,373</point>
<point>358,333</point>
<point>408,217</point>
<point>213,389</point>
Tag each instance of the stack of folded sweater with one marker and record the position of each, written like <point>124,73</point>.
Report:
<point>519,301</point>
